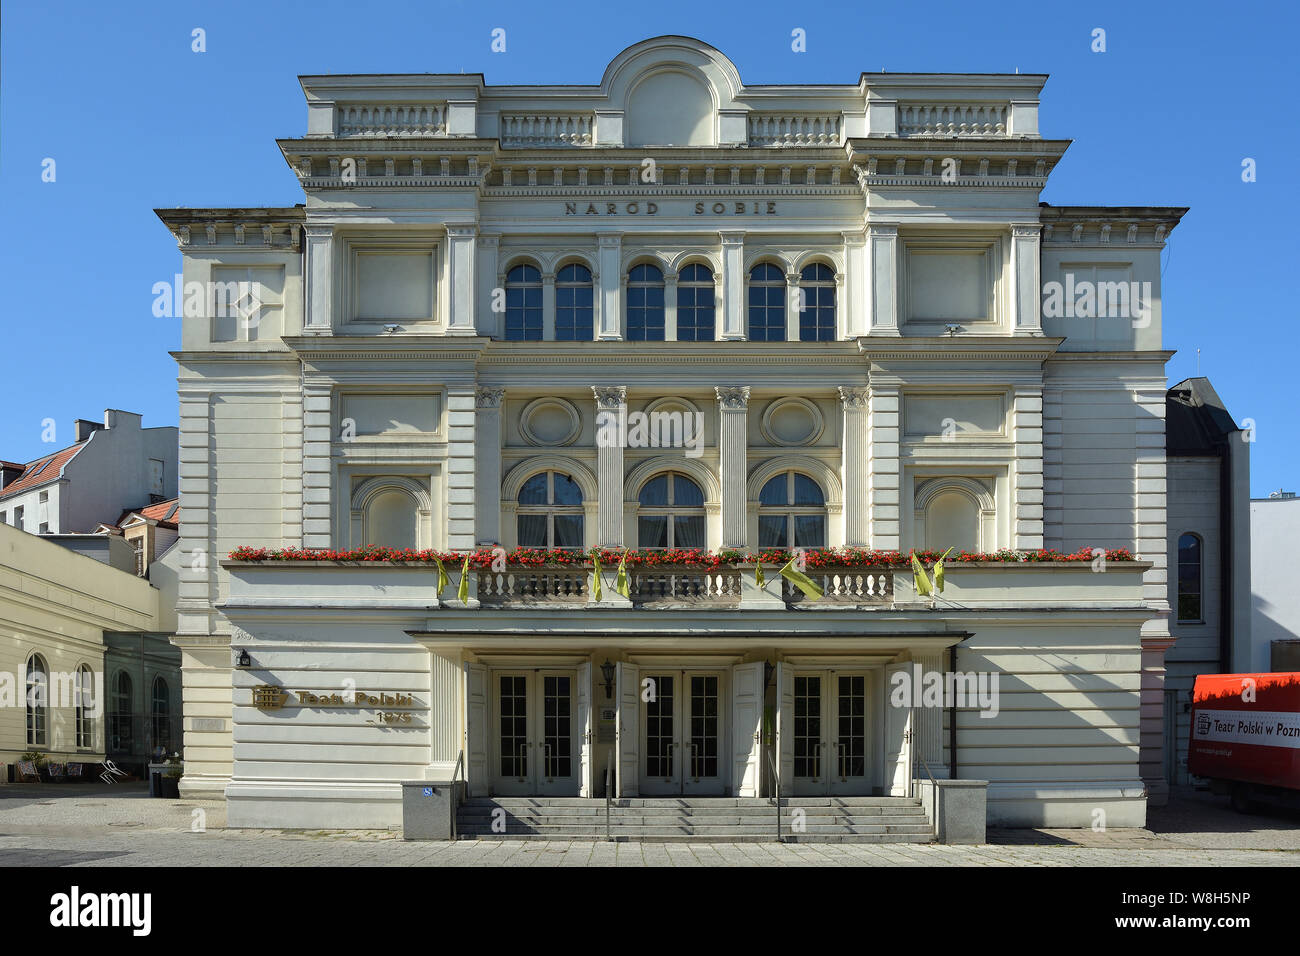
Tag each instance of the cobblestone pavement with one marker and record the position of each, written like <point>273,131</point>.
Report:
<point>87,825</point>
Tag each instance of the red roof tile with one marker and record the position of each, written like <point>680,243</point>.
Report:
<point>41,471</point>
<point>166,513</point>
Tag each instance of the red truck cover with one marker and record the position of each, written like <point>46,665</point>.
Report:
<point>1246,727</point>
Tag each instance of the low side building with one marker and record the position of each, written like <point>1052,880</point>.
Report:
<point>1274,597</point>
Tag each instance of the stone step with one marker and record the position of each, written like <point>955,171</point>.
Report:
<point>694,813</point>
<point>701,802</point>
<point>729,837</point>
<point>686,828</point>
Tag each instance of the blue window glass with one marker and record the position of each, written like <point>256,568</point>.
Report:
<point>766,304</point>
<point>817,320</point>
<point>696,309</point>
<point>574,314</point>
<point>645,304</point>
<point>524,304</point>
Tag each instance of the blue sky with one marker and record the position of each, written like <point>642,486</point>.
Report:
<point>134,119</point>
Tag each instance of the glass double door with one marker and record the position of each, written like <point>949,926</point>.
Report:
<point>830,745</point>
<point>685,733</point>
<point>537,736</point>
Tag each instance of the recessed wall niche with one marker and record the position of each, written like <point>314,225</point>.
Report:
<point>550,422</point>
<point>792,421</point>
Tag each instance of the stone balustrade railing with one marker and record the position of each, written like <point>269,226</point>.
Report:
<point>392,119</point>
<point>845,586</point>
<point>547,129</point>
<point>559,584</point>
<point>795,129</point>
<point>952,119</point>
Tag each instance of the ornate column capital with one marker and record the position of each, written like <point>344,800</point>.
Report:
<point>489,396</point>
<point>733,397</point>
<point>854,396</point>
<point>611,397</point>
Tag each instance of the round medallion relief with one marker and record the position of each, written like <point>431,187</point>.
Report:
<point>550,421</point>
<point>792,421</point>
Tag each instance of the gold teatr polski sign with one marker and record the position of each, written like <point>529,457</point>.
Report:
<point>269,697</point>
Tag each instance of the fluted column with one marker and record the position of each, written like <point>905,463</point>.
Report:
<point>611,413</point>
<point>487,455</point>
<point>929,720</point>
<point>733,444</point>
<point>856,466</point>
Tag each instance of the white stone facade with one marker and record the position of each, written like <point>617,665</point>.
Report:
<point>876,259</point>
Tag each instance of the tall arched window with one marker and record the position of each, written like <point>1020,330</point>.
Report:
<point>671,513</point>
<point>645,304</point>
<point>161,712</point>
<point>38,702</point>
<point>791,512</point>
<point>766,303</point>
<point>696,310</point>
<point>83,707</point>
<point>817,320</point>
<point>574,294</point>
<point>1189,578</point>
<point>550,512</point>
<point>524,304</point>
<point>120,715</point>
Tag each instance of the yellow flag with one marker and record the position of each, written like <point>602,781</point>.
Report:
<point>801,580</point>
<point>759,580</point>
<point>621,584</point>
<point>597,589</point>
<point>938,572</point>
<point>463,591</point>
<point>443,580</point>
<point>922,582</point>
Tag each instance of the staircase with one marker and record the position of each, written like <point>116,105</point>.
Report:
<point>698,819</point>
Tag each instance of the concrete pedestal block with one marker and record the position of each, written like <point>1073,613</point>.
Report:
<point>959,810</point>
<point>429,809</point>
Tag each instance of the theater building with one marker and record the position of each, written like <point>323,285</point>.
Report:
<point>672,311</point>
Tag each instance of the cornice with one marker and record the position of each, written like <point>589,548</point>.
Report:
<point>1022,348</point>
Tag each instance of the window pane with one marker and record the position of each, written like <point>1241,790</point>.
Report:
<point>686,492</point>
<point>775,492</point>
<point>809,531</point>
<point>807,492</point>
<point>771,531</point>
<point>652,531</point>
<point>532,531</point>
<point>568,531</point>
<point>534,490</point>
<point>688,531</point>
<point>655,492</point>
<point>567,491</point>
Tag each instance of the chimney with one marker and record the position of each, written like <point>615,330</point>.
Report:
<point>85,428</point>
<point>116,418</point>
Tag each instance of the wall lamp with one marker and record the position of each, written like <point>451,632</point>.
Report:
<point>607,672</point>
<point>241,657</point>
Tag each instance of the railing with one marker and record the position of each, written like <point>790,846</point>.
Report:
<point>547,129</point>
<point>771,763</point>
<point>458,772</point>
<point>557,585</point>
<point>934,795</point>
<point>844,586</point>
<point>649,587</point>
<point>952,119</point>
<point>393,119</point>
<point>794,129</point>
<point>609,796</point>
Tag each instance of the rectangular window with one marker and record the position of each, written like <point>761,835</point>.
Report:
<point>18,519</point>
<point>44,528</point>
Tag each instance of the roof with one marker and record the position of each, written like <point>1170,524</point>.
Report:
<point>165,513</point>
<point>1196,421</point>
<point>42,471</point>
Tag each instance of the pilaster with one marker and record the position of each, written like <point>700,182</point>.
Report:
<point>882,271</point>
<point>462,448</point>
<point>733,285</point>
<point>883,473</point>
<point>487,448</point>
<point>929,720</point>
<point>461,242</point>
<point>317,463</point>
<point>1026,284</point>
<point>488,322</point>
<point>611,400</point>
<point>733,444</point>
<point>319,318</point>
<point>1027,468</point>
<point>856,445</point>
<point>609,289</point>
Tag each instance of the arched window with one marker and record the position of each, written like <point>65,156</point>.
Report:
<point>38,702</point>
<point>161,711</point>
<point>574,319</point>
<point>550,512</point>
<point>119,718</point>
<point>766,303</point>
<point>524,304</point>
<point>817,320</point>
<point>1189,578</point>
<point>392,518</point>
<point>696,311</point>
<point>791,512</point>
<point>83,707</point>
<point>645,304</point>
<point>671,513</point>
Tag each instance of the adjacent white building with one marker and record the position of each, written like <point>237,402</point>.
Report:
<point>109,468</point>
<point>1274,601</point>
<point>887,341</point>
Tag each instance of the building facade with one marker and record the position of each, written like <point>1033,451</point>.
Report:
<point>672,311</point>
<point>1274,604</point>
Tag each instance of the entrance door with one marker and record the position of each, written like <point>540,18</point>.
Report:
<point>537,735</point>
<point>830,746</point>
<point>683,750</point>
